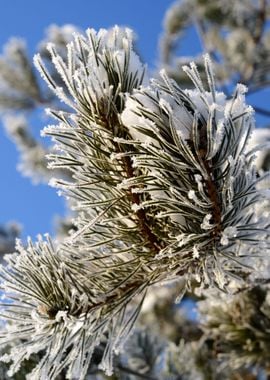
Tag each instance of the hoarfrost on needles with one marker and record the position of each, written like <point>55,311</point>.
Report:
<point>154,212</point>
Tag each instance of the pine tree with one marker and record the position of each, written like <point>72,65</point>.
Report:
<point>169,195</point>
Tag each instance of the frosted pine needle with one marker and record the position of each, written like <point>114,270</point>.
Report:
<point>163,188</point>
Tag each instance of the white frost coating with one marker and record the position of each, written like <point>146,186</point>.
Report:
<point>205,104</point>
<point>136,207</point>
<point>147,142</point>
<point>179,116</point>
<point>131,116</point>
<point>217,140</point>
<point>192,195</point>
<point>237,106</point>
<point>119,41</point>
<point>229,232</point>
<point>54,183</point>
<point>199,181</point>
<point>94,84</point>
<point>260,137</point>
<point>125,184</point>
<point>181,120</point>
<point>116,156</point>
<point>220,278</point>
<point>206,225</point>
<point>61,315</point>
<point>164,104</point>
<point>224,240</point>
<point>196,253</point>
<point>241,88</point>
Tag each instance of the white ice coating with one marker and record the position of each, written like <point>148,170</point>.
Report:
<point>89,78</point>
<point>206,225</point>
<point>196,253</point>
<point>119,42</point>
<point>229,232</point>
<point>260,137</point>
<point>180,118</point>
<point>205,103</point>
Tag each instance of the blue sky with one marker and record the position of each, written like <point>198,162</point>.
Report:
<point>36,206</point>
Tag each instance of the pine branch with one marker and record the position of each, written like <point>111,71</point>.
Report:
<point>163,187</point>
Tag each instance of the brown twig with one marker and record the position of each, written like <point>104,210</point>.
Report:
<point>210,183</point>
<point>153,240</point>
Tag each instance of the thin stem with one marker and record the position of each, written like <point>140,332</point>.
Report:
<point>212,190</point>
<point>153,240</point>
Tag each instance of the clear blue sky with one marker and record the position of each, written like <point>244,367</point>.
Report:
<point>35,206</point>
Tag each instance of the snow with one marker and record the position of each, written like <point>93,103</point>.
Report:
<point>206,225</point>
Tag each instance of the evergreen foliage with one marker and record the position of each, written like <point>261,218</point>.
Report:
<point>168,190</point>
